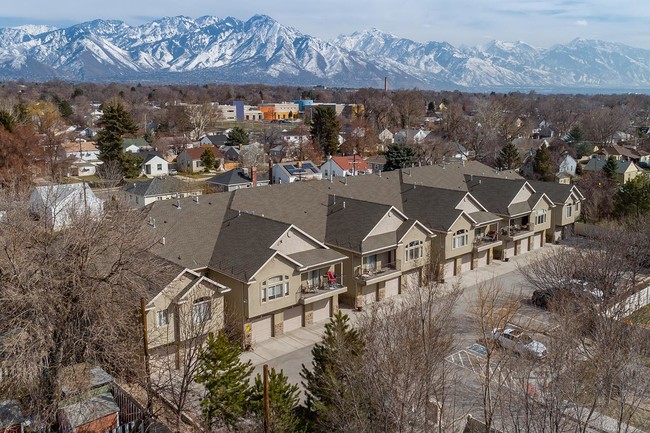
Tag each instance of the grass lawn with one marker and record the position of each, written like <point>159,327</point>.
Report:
<point>641,316</point>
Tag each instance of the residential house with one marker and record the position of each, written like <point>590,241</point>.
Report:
<point>88,132</point>
<point>189,160</point>
<point>288,172</point>
<point>527,148</point>
<point>543,130</point>
<point>410,136</point>
<point>153,164</point>
<point>238,178</point>
<point>625,170</point>
<point>622,153</point>
<point>466,234</point>
<point>79,150</point>
<point>567,200</point>
<point>217,140</point>
<point>568,165</point>
<point>386,249</point>
<point>136,145</point>
<point>345,166</point>
<point>140,194</point>
<point>386,137</point>
<point>188,308</point>
<point>376,163</point>
<point>524,212</point>
<point>59,205</point>
<point>282,278</point>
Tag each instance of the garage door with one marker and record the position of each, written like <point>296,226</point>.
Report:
<point>509,249</point>
<point>410,281</point>
<point>369,294</point>
<point>449,269</point>
<point>292,318</point>
<point>537,240</point>
<point>466,263</point>
<point>261,329</point>
<point>481,259</point>
<point>392,288</point>
<point>322,310</point>
<point>524,246</point>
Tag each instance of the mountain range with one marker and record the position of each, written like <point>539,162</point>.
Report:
<point>261,50</point>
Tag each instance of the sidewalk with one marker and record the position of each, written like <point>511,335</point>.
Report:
<point>309,335</point>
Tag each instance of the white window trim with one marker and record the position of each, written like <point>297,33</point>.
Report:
<point>569,211</point>
<point>273,284</point>
<point>164,315</point>
<point>461,239</point>
<point>541,216</point>
<point>413,251</point>
<point>199,306</point>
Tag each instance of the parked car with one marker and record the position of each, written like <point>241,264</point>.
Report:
<point>173,172</point>
<point>574,292</point>
<point>519,342</point>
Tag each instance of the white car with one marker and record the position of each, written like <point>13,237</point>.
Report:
<point>519,342</point>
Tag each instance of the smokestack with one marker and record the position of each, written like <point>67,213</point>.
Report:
<point>385,84</point>
<point>254,176</point>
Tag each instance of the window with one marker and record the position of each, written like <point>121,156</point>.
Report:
<point>314,278</point>
<point>201,310</point>
<point>370,263</point>
<point>161,318</point>
<point>159,167</point>
<point>541,216</point>
<point>461,238</point>
<point>275,288</point>
<point>413,251</point>
<point>568,211</point>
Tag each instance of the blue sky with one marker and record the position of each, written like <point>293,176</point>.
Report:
<point>541,23</point>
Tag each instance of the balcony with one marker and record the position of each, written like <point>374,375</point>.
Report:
<point>486,241</point>
<point>367,275</point>
<point>325,289</point>
<point>516,232</point>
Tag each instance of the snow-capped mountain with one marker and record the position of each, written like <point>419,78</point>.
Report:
<point>211,49</point>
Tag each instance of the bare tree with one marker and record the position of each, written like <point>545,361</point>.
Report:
<point>68,296</point>
<point>201,118</point>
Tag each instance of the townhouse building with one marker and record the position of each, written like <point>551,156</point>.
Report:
<point>291,252</point>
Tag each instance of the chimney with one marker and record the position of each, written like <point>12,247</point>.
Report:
<point>162,241</point>
<point>385,84</point>
<point>254,176</point>
<point>343,204</point>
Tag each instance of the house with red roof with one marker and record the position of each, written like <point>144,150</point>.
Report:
<point>189,160</point>
<point>353,165</point>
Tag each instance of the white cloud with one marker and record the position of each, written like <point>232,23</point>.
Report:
<point>582,23</point>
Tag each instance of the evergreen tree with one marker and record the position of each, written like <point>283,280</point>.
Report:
<point>633,197</point>
<point>237,136</point>
<point>576,135</point>
<point>284,398</point>
<point>208,159</point>
<point>508,158</point>
<point>115,123</point>
<point>325,129</point>
<point>610,167</point>
<point>131,165</point>
<point>335,360</point>
<point>226,381</point>
<point>7,121</point>
<point>542,165</point>
<point>399,155</point>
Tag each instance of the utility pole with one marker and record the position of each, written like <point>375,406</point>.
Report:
<point>267,404</point>
<point>147,367</point>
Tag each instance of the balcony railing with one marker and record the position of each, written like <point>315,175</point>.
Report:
<point>370,272</point>
<point>325,286</point>
<point>515,230</point>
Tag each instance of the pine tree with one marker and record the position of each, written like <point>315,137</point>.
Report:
<point>508,158</point>
<point>576,135</point>
<point>284,398</point>
<point>208,160</point>
<point>542,165</point>
<point>610,167</point>
<point>633,198</point>
<point>328,384</point>
<point>115,123</point>
<point>237,136</point>
<point>226,381</point>
<point>325,129</point>
<point>399,155</point>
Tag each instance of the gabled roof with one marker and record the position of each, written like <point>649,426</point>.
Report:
<point>350,221</point>
<point>195,152</point>
<point>244,244</point>
<point>157,186</point>
<point>435,208</point>
<point>557,192</point>
<point>237,176</point>
<point>497,194</point>
<point>150,156</point>
<point>348,162</point>
<point>217,139</point>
